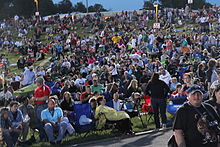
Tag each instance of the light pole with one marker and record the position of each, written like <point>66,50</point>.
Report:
<point>87,6</point>
<point>36,3</point>
<point>156,7</point>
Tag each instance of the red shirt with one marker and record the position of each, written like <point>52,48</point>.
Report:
<point>41,92</point>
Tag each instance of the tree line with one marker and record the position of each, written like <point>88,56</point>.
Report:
<point>27,8</point>
<point>197,4</point>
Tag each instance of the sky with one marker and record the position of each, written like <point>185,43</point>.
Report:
<point>119,5</point>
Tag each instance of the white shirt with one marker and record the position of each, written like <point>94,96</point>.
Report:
<point>214,84</point>
<point>151,37</point>
<point>117,105</point>
<point>29,77</point>
<point>80,82</point>
<point>166,78</point>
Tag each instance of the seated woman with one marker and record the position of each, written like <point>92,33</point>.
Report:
<point>104,113</point>
<point>132,104</point>
<point>67,103</point>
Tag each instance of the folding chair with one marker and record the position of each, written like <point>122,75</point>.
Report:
<point>147,108</point>
<point>133,111</point>
<point>78,111</point>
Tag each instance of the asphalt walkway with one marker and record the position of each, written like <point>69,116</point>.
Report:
<point>155,139</point>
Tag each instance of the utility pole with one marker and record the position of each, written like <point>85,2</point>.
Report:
<point>87,6</point>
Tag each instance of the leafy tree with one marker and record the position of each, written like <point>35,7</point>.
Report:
<point>79,7</point>
<point>148,5</point>
<point>47,7</point>
<point>99,7</point>
<point>197,4</point>
<point>65,6</point>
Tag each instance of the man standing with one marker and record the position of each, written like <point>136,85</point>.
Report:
<point>52,118</point>
<point>41,95</point>
<point>196,123</point>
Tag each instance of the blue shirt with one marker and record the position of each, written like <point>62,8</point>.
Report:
<point>52,117</point>
<point>59,48</point>
<point>16,120</point>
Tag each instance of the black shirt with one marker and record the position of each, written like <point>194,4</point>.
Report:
<point>196,132</point>
<point>157,89</point>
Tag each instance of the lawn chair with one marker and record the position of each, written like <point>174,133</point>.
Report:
<point>147,109</point>
<point>82,118</point>
<point>133,110</point>
<point>172,108</point>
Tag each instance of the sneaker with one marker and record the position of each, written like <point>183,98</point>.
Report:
<point>52,143</point>
<point>156,129</point>
<point>164,126</point>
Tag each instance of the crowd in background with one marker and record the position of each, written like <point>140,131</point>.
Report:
<point>117,58</point>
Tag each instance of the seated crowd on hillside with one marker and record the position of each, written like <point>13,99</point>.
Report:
<point>115,66</point>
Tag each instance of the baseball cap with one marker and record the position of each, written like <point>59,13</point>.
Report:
<point>194,89</point>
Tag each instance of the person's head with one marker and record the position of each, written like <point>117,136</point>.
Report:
<point>93,103</point>
<point>39,81</point>
<point>216,94</point>
<point>133,83</point>
<point>187,78</point>
<point>162,70</point>
<point>51,104</point>
<point>155,77</point>
<point>194,94</point>
<point>201,66</point>
<point>95,82</point>
<point>24,100</point>
<point>174,80</point>
<point>116,96</point>
<point>14,106</point>
<point>178,87</point>
<point>101,100</point>
<point>88,89</point>
<point>218,75</point>
<point>67,96</point>
<point>211,63</point>
<point>135,96</point>
<point>4,112</point>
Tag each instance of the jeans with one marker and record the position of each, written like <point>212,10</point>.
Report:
<point>61,129</point>
<point>159,104</point>
<point>39,125</point>
<point>10,138</point>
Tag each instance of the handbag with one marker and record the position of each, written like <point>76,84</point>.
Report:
<point>172,142</point>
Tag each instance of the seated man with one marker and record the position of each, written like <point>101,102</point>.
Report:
<point>17,119</point>
<point>52,118</point>
<point>9,133</point>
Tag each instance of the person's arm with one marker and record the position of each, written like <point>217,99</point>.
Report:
<point>179,138</point>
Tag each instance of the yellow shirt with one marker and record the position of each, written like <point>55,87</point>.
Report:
<point>116,39</point>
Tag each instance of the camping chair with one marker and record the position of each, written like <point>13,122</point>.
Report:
<point>133,110</point>
<point>147,108</point>
<point>81,117</point>
<point>172,108</point>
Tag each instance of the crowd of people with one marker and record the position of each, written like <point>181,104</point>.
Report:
<point>117,59</point>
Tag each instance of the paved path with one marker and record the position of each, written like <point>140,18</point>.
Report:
<point>158,139</point>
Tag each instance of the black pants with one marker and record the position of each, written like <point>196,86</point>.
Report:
<point>60,53</point>
<point>124,125</point>
<point>159,104</point>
